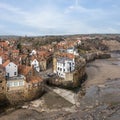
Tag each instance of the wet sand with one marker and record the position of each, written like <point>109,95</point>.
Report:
<point>102,90</point>
<point>101,70</point>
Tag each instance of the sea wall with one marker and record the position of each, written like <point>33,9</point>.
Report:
<point>96,55</point>
<point>17,97</point>
<point>73,79</point>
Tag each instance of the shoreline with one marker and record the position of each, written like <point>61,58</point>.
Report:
<point>101,86</point>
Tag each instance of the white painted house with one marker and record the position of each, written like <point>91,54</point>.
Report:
<point>72,50</point>
<point>34,52</point>
<point>1,60</point>
<point>16,83</point>
<point>65,65</point>
<point>79,41</point>
<point>35,64</point>
<point>11,69</point>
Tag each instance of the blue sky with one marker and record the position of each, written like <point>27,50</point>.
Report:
<point>56,17</point>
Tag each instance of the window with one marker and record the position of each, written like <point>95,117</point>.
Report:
<point>8,74</point>
<point>15,73</point>
<point>58,68</point>
<point>63,70</point>
<point>10,84</point>
<point>15,83</point>
<point>35,85</point>
<point>21,83</point>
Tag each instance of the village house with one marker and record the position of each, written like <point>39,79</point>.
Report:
<point>33,52</point>
<point>27,71</point>
<point>69,70</point>
<point>16,83</point>
<point>1,60</point>
<point>24,60</point>
<point>34,82</point>
<point>4,45</point>
<point>72,50</point>
<point>35,64</point>
<point>63,63</point>
<point>11,69</point>
<point>79,42</point>
<point>11,79</point>
<point>45,59</point>
<point>49,47</point>
<point>14,53</point>
<point>4,55</point>
<point>43,64</point>
<point>2,80</point>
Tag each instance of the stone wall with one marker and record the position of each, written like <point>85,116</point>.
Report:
<point>43,65</point>
<point>69,77</point>
<point>34,93</point>
<point>79,77</point>
<point>54,64</point>
<point>16,97</point>
<point>73,79</point>
<point>20,96</point>
<point>96,55</point>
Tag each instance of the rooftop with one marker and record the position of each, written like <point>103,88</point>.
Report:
<point>35,79</point>
<point>63,59</point>
<point>17,78</point>
<point>6,63</point>
<point>23,69</point>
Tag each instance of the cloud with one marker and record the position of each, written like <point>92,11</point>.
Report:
<point>55,19</point>
<point>10,8</point>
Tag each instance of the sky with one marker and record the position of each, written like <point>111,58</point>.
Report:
<point>59,17</point>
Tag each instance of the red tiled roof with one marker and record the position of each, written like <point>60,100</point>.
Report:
<point>4,44</point>
<point>35,79</point>
<point>44,54</point>
<point>68,55</point>
<point>15,51</point>
<point>24,70</point>
<point>6,63</point>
